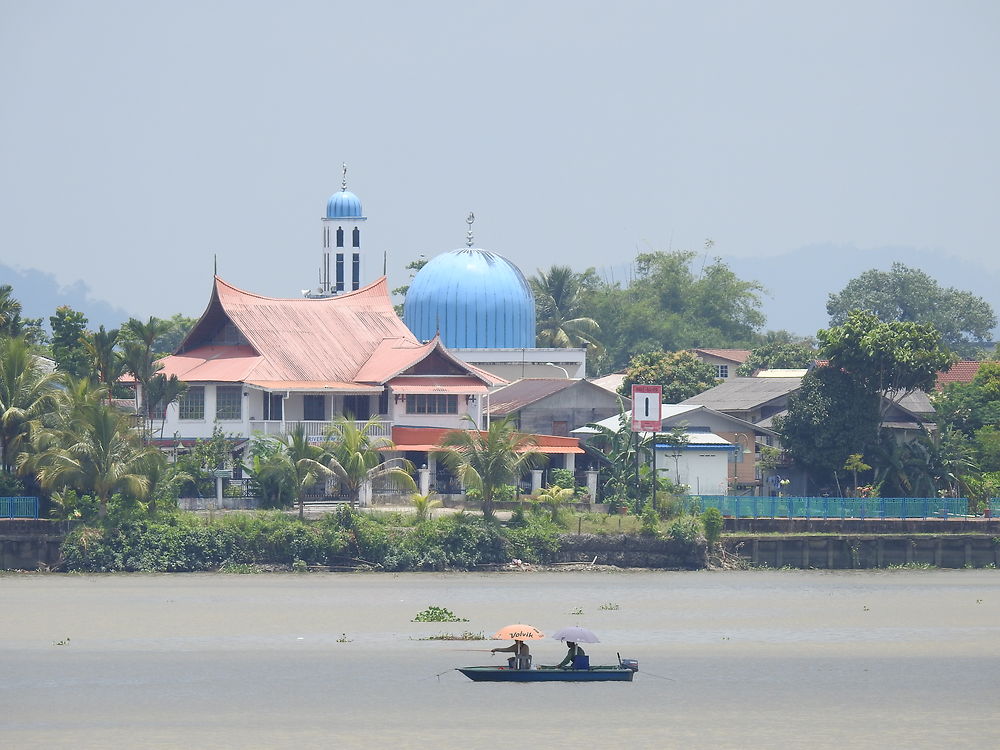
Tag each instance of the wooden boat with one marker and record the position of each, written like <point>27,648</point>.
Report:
<point>506,674</point>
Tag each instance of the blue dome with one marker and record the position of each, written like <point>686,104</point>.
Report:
<point>475,299</point>
<point>343,205</point>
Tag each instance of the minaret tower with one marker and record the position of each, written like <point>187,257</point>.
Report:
<point>341,244</point>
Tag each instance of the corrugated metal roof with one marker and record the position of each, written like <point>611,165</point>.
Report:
<point>314,385</point>
<point>224,364</point>
<point>437,384</point>
<point>734,355</point>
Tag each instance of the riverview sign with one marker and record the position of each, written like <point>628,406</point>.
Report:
<point>646,408</point>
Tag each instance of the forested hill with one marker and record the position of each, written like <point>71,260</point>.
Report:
<point>40,294</point>
<point>799,282</point>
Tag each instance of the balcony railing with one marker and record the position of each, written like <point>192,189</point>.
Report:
<point>316,430</point>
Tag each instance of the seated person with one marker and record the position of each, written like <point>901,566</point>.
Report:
<point>521,658</point>
<point>573,651</point>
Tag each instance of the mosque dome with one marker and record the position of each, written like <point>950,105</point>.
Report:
<point>475,299</point>
<point>343,205</point>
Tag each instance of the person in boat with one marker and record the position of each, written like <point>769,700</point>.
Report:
<point>521,658</point>
<point>573,651</point>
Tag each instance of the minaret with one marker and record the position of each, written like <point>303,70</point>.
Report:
<point>341,244</point>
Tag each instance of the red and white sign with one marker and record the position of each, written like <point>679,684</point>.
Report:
<point>646,412</point>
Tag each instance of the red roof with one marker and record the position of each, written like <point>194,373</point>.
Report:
<point>960,372</point>
<point>345,343</point>
<point>427,439</point>
<point>437,384</point>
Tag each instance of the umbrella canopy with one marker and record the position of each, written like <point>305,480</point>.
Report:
<point>576,634</point>
<point>518,632</point>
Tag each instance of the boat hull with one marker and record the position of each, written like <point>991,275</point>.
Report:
<point>505,674</point>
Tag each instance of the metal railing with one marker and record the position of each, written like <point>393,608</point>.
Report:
<point>18,507</point>
<point>838,507</point>
<point>316,430</point>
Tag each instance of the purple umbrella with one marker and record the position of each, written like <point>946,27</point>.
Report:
<point>576,634</point>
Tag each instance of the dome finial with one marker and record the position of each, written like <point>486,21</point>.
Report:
<point>343,182</point>
<point>469,220</point>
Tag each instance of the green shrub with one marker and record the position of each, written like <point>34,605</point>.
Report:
<point>686,529</point>
<point>650,521</point>
<point>561,478</point>
<point>712,521</point>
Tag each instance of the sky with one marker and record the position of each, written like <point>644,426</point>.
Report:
<point>143,142</point>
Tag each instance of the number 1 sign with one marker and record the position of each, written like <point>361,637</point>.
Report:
<point>646,414</point>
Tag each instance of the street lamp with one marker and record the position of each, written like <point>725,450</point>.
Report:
<point>558,367</point>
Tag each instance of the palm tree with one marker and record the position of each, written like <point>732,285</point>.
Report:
<point>486,461</point>
<point>107,363</point>
<point>26,394</point>
<point>99,454</point>
<point>163,477</point>
<point>294,467</point>
<point>356,457</point>
<point>10,312</point>
<point>553,499</point>
<point>160,392</point>
<point>424,504</point>
<point>558,303</point>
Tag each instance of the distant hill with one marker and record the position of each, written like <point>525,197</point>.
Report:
<point>799,282</point>
<point>40,294</point>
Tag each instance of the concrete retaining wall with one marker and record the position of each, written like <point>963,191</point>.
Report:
<point>29,544</point>
<point>631,551</point>
<point>867,551</point>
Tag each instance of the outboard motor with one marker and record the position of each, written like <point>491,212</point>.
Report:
<point>632,664</point>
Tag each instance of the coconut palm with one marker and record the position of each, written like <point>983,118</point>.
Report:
<point>554,499</point>
<point>107,363</point>
<point>295,466</point>
<point>100,455</point>
<point>26,394</point>
<point>160,392</point>
<point>557,302</point>
<point>424,504</point>
<point>356,457</point>
<point>486,461</point>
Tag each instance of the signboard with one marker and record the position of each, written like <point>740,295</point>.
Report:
<point>646,412</point>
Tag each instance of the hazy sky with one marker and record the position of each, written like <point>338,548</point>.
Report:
<point>137,139</point>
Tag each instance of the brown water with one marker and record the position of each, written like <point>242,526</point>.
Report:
<point>781,659</point>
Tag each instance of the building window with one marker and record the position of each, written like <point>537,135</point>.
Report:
<point>340,272</point>
<point>356,272</point>
<point>431,403</point>
<point>357,408</point>
<point>273,403</point>
<point>192,404</point>
<point>228,402</point>
<point>722,371</point>
<point>356,237</point>
<point>340,236</point>
<point>314,408</point>
<point>383,402</point>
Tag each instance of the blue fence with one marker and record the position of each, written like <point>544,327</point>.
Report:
<point>840,507</point>
<point>18,507</point>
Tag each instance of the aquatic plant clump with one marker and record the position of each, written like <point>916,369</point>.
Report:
<point>438,614</point>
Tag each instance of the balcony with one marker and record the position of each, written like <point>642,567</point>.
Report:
<point>316,430</point>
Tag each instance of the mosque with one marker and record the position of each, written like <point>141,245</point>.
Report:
<point>476,300</point>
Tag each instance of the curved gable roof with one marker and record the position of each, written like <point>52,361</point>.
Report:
<point>303,339</point>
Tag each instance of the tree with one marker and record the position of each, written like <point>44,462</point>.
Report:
<point>668,305</point>
<point>619,448</point>
<point>294,467</point>
<point>486,461</point>
<point>777,354</point>
<point>830,417</point>
<point>68,348</point>
<point>889,359</point>
<point>909,295</point>
<point>26,394</point>
<point>557,306</point>
<point>413,267</point>
<point>160,392</point>
<point>97,453</point>
<point>969,407</point>
<point>356,457</point>
<point>424,504</point>
<point>176,329</point>
<point>855,463</point>
<point>105,360</point>
<point>681,374</point>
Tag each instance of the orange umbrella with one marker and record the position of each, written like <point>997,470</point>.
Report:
<point>518,632</point>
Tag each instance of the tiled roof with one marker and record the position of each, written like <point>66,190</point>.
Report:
<point>429,438</point>
<point>960,372</point>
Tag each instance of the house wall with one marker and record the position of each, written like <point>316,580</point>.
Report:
<point>717,362</point>
<point>704,470</point>
<point>575,406</point>
<point>514,364</point>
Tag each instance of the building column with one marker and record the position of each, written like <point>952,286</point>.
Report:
<point>570,461</point>
<point>536,480</point>
<point>425,480</point>
<point>592,484</point>
<point>365,493</point>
